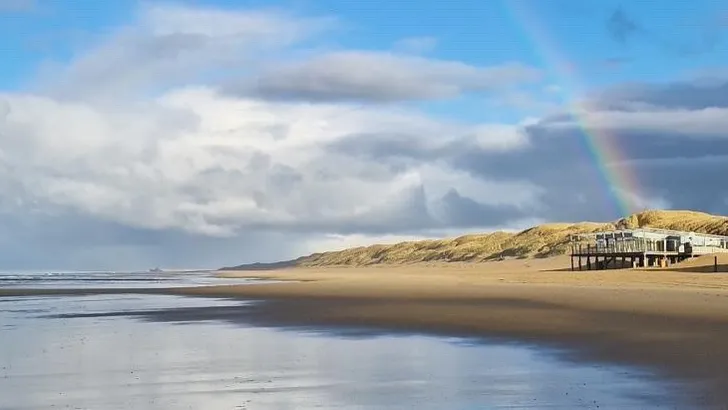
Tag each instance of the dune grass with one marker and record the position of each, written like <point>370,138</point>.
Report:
<point>537,242</point>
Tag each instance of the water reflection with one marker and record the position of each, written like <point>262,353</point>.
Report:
<point>117,362</point>
<point>127,280</point>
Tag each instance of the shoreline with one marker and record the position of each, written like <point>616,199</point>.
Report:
<point>674,324</point>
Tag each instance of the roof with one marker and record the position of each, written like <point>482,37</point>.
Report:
<point>665,232</point>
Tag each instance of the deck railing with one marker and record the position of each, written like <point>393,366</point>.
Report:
<point>620,247</point>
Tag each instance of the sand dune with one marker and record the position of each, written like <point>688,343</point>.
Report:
<point>537,242</point>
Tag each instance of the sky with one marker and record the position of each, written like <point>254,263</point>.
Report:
<point>207,133</point>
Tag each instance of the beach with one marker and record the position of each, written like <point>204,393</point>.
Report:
<point>670,322</point>
<point>674,321</point>
<point>160,352</point>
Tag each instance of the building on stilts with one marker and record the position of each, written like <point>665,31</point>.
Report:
<point>642,247</point>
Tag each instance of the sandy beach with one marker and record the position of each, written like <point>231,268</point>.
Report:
<point>674,322</point>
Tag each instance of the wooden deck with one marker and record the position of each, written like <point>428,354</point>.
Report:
<point>625,255</point>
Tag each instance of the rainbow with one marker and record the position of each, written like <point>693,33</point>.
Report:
<point>621,185</point>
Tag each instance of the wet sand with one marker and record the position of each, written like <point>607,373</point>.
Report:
<point>117,352</point>
<point>671,322</point>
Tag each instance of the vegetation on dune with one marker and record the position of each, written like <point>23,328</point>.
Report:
<point>541,241</point>
<point>537,242</point>
<point>690,221</point>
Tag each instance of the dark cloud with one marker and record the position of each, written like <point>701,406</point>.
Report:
<point>622,27</point>
<point>674,165</point>
<point>688,181</point>
<point>463,212</point>
<point>379,77</point>
<point>666,167</point>
<point>392,147</point>
<point>677,95</point>
<point>698,38</point>
<point>673,169</point>
<point>68,241</point>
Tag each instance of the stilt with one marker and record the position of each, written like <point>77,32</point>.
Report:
<point>580,263</point>
<point>572,263</point>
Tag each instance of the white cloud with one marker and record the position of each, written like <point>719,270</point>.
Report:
<point>197,161</point>
<point>335,242</point>
<point>416,45</point>
<point>171,45</point>
<point>500,137</point>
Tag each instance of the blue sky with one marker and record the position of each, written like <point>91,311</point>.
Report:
<point>478,32</point>
<point>205,133</point>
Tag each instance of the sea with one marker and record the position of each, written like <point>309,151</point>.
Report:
<point>106,279</point>
<point>121,351</point>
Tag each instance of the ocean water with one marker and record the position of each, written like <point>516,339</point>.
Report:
<point>107,352</point>
<point>101,279</point>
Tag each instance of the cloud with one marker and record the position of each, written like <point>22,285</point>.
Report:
<point>675,95</point>
<point>699,36</point>
<point>644,203</point>
<point>616,148</point>
<point>379,77</point>
<point>74,241</point>
<point>173,45</point>
<point>622,27</point>
<point>702,123</point>
<point>659,150</point>
<point>432,140</point>
<point>416,45</point>
<point>212,165</point>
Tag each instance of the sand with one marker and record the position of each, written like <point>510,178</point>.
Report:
<point>671,322</point>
